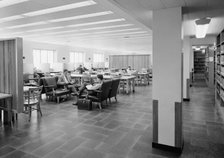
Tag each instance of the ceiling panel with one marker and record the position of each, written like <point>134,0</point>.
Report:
<point>34,21</point>
<point>173,3</point>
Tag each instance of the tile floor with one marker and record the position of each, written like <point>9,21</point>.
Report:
<point>121,130</point>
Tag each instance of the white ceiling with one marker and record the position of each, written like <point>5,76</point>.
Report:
<point>192,9</point>
<point>119,25</point>
<point>108,27</point>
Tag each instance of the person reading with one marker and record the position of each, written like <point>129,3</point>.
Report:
<point>65,80</point>
<point>95,86</point>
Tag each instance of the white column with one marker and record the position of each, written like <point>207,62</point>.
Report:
<point>187,66</point>
<point>167,79</point>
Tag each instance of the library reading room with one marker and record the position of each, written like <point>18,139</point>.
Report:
<point>111,78</point>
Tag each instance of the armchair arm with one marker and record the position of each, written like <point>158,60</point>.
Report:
<point>94,90</point>
<point>49,88</point>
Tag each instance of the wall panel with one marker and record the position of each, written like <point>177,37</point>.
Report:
<point>11,71</point>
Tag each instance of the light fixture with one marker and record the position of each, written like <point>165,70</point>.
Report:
<point>5,3</point>
<point>61,8</point>
<point>26,25</point>
<point>46,29</point>
<point>106,27</point>
<point>132,29</point>
<point>97,22</point>
<point>202,27</point>
<point>102,34</point>
<point>82,16</point>
<point>11,18</point>
<point>61,32</point>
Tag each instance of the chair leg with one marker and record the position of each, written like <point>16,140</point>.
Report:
<point>58,99</point>
<point>39,109</point>
<point>30,111</point>
<point>115,98</point>
<point>110,100</point>
<point>100,105</point>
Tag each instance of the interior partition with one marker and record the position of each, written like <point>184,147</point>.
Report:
<point>11,71</point>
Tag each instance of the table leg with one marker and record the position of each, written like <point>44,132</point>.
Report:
<point>133,85</point>
<point>8,113</point>
<point>127,86</point>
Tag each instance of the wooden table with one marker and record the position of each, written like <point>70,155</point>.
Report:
<point>144,76</point>
<point>26,88</point>
<point>80,76</point>
<point>6,107</point>
<point>130,83</point>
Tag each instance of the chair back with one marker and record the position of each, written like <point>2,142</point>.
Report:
<point>33,95</point>
<point>86,78</point>
<point>49,81</point>
<point>105,88</point>
<point>114,87</point>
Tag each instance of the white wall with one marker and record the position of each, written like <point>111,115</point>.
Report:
<point>203,41</point>
<point>62,51</point>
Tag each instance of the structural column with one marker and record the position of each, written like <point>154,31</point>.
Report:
<point>186,63</point>
<point>167,79</point>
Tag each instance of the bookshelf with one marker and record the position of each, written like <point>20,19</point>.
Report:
<point>219,73</point>
<point>209,66</point>
<point>199,65</point>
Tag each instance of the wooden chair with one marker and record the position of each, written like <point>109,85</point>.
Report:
<point>32,99</point>
<point>53,91</point>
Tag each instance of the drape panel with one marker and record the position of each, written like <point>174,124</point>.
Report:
<point>135,61</point>
<point>11,70</point>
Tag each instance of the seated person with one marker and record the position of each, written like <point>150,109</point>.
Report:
<point>129,70</point>
<point>96,86</point>
<point>65,81</point>
<point>80,69</point>
<point>70,78</point>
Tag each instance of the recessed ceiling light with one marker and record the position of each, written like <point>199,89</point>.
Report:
<point>5,3</point>
<point>82,16</point>
<point>70,31</point>
<point>102,34</point>
<point>26,25</point>
<point>97,22</point>
<point>60,32</point>
<point>11,18</point>
<point>45,29</point>
<point>118,30</point>
<point>61,8</point>
<point>106,27</point>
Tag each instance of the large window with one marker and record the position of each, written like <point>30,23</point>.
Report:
<point>76,57</point>
<point>98,58</point>
<point>43,56</point>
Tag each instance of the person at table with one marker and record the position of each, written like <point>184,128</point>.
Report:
<point>80,69</point>
<point>95,86</point>
<point>66,81</point>
<point>129,70</point>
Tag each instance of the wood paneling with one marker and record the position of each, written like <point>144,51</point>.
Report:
<point>155,121</point>
<point>178,125</point>
<point>11,70</point>
<point>135,61</point>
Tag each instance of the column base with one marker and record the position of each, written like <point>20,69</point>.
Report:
<point>186,99</point>
<point>168,148</point>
